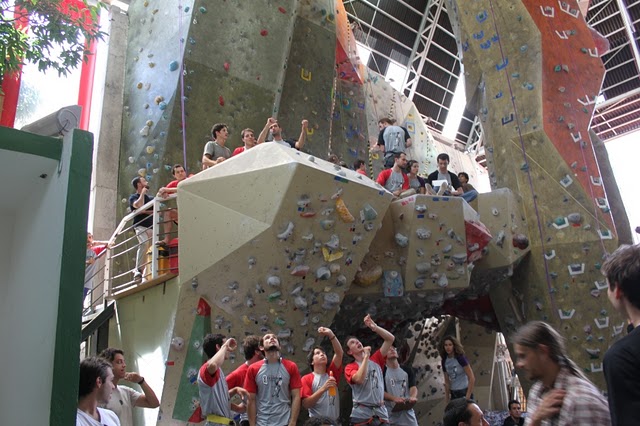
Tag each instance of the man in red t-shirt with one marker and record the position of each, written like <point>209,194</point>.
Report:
<point>252,354</point>
<point>395,180</point>
<point>249,141</point>
<point>180,174</point>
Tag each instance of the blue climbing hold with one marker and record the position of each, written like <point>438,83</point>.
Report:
<point>173,65</point>
<point>203,9</point>
<point>162,105</point>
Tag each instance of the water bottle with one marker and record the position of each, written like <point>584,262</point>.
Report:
<point>332,390</point>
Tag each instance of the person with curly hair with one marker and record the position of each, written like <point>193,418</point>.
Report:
<point>458,378</point>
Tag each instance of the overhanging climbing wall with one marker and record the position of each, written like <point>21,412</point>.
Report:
<point>532,74</point>
<point>278,253</point>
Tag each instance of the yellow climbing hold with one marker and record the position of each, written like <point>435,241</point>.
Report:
<point>331,255</point>
<point>367,277</point>
<point>343,211</point>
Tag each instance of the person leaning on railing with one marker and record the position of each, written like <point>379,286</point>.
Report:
<point>180,174</point>
<point>142,222</point>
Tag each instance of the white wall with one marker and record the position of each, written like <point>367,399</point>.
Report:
<point>143,328</point>
<point>31,264</point>
<point>6,230</point>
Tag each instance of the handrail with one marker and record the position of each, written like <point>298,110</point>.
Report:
<point>117,257</point>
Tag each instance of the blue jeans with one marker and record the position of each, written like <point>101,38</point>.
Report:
<point>467,196</point>
<point>470,196</point>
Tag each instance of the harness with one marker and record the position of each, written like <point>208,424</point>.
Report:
<point>220,420</point>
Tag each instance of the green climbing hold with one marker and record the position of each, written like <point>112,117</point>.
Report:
<point>598,266</point>
<point>203,9</point>
<point>274,296</point>
<point>557,68</point>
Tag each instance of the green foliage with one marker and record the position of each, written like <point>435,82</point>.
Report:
<point>54,25</point>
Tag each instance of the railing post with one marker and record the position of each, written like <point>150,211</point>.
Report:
<point>155,239</point>
<point>107,274</point>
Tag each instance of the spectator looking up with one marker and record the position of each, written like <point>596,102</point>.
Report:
<point>252,354</point>
<point>274,387</point>
<point>364,375</point>
<point>276,132</point>
<point>317,396</point>
<point>215,395</point>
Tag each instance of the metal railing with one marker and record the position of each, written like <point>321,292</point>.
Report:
<point>116,269</point>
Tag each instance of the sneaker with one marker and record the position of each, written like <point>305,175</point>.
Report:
<point>429,189</point>
<point>443,188</point>
<point>137,277</point>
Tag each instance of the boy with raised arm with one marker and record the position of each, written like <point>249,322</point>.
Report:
<point>320,387</point>
<point>364,375</point>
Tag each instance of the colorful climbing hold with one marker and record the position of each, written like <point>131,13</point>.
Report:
<point>264,33</point>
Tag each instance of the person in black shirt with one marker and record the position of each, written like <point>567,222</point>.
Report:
<point>621,365</point>
<point>515,415</point>
<point>142,222</point>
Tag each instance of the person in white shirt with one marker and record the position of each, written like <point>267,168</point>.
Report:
<point>125,398</point>
<point>95,387</point>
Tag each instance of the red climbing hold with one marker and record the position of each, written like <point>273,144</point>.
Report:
<point>264,33</point>
<point>204,309</point>
<point>221,101</point>
<point>226,66</point>
<point>282,9</point>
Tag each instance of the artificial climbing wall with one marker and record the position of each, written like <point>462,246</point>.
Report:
<point>532,73</point>
<point>235,57</point>
<point>309,75</point>
<point>265,257</point>
<point>384,101</point>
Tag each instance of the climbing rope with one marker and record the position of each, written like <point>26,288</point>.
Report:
<point>183,124</point>
<point>524,155</point>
